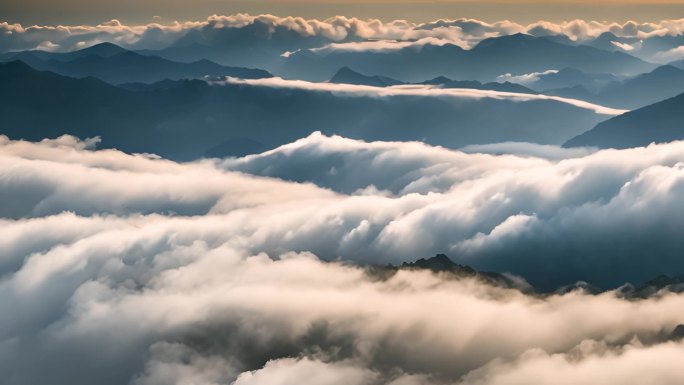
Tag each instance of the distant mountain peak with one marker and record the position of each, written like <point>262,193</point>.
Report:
<point>439,262</point>
<point>438,80</point>
<point>15,68</point>
<point>666,69</point>
<point>104,50</point>
<point>607,35</point>
<point>506,40</point>
<point>346,75</point>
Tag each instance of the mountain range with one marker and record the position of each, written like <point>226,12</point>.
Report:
<point>257,44</point>
<point>657,123</point>
<point>116,65</point>
<point>567,78</point>
<point>348,76</point>
<point>662,83</point>
<point>518,53</point>
<point>442,264</point>
<point>193,118</point>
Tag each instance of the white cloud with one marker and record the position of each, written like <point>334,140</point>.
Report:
<point>591,364</point>
<point>625,46</point>
<point>529,149</point>
<point>670,55</point>
<point>464,32</point>
<point>381,46</point>
<point>169,273</point>
<point>418,90</point>
<point>525,78</point>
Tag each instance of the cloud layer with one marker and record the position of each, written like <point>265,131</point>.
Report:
<point>124,268</point>
<point>249,29</point>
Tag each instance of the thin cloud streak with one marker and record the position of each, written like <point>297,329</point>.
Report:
<point>418,90</point>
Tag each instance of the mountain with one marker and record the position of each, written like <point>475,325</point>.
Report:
<point>116,65</point>
<point>659,122</point>
<point>679,64</point>
<point>660,283</point>
<point>646,48</point>
<point>658,44</point>
<point>608,41</point>
<point>662,83</point>
<point>490,58</point>
<point>445,82</point>
<point>570,78</point>
<point>188,119</point>
<point>438,263</point>
<point>101,50</point>
<point>442,264</point>
<point>581,286</point>
<point>575,92</point>
<point>348,76</point>
<point>258,44</point>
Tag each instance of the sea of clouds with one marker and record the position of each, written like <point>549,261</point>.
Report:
<point>127,268</point>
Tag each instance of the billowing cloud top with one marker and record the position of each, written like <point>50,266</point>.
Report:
<point>122,268</point>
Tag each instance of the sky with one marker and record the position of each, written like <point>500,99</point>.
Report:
<point>132,11</point>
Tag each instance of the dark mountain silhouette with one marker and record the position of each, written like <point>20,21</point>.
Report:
<point>101,50</point>
<point>116,65</point>
<point>445,82</point>
<point>677,333</point>
<point>492,57</point>
<point>658,284</point>
<point>580,286</point>
<point>191,118</point>
<point>442,264</point>
<point>348,76</point>
<point>160,85</point>
<point>660,122</point>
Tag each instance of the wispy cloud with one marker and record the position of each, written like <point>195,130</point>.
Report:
<point>418,90</point>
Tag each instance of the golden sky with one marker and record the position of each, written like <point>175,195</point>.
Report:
<point>140,11</point>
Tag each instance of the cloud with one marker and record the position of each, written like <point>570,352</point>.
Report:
<point>625,46</point>
<point>670,55</point>
<point>417,90</point>
<point>122,268</point>
<point>263,29</point>
<point>294,372</point>
<point>592,363</point>
<point>529,149</point>
<point>525,78</point>
<point>381,46</point>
